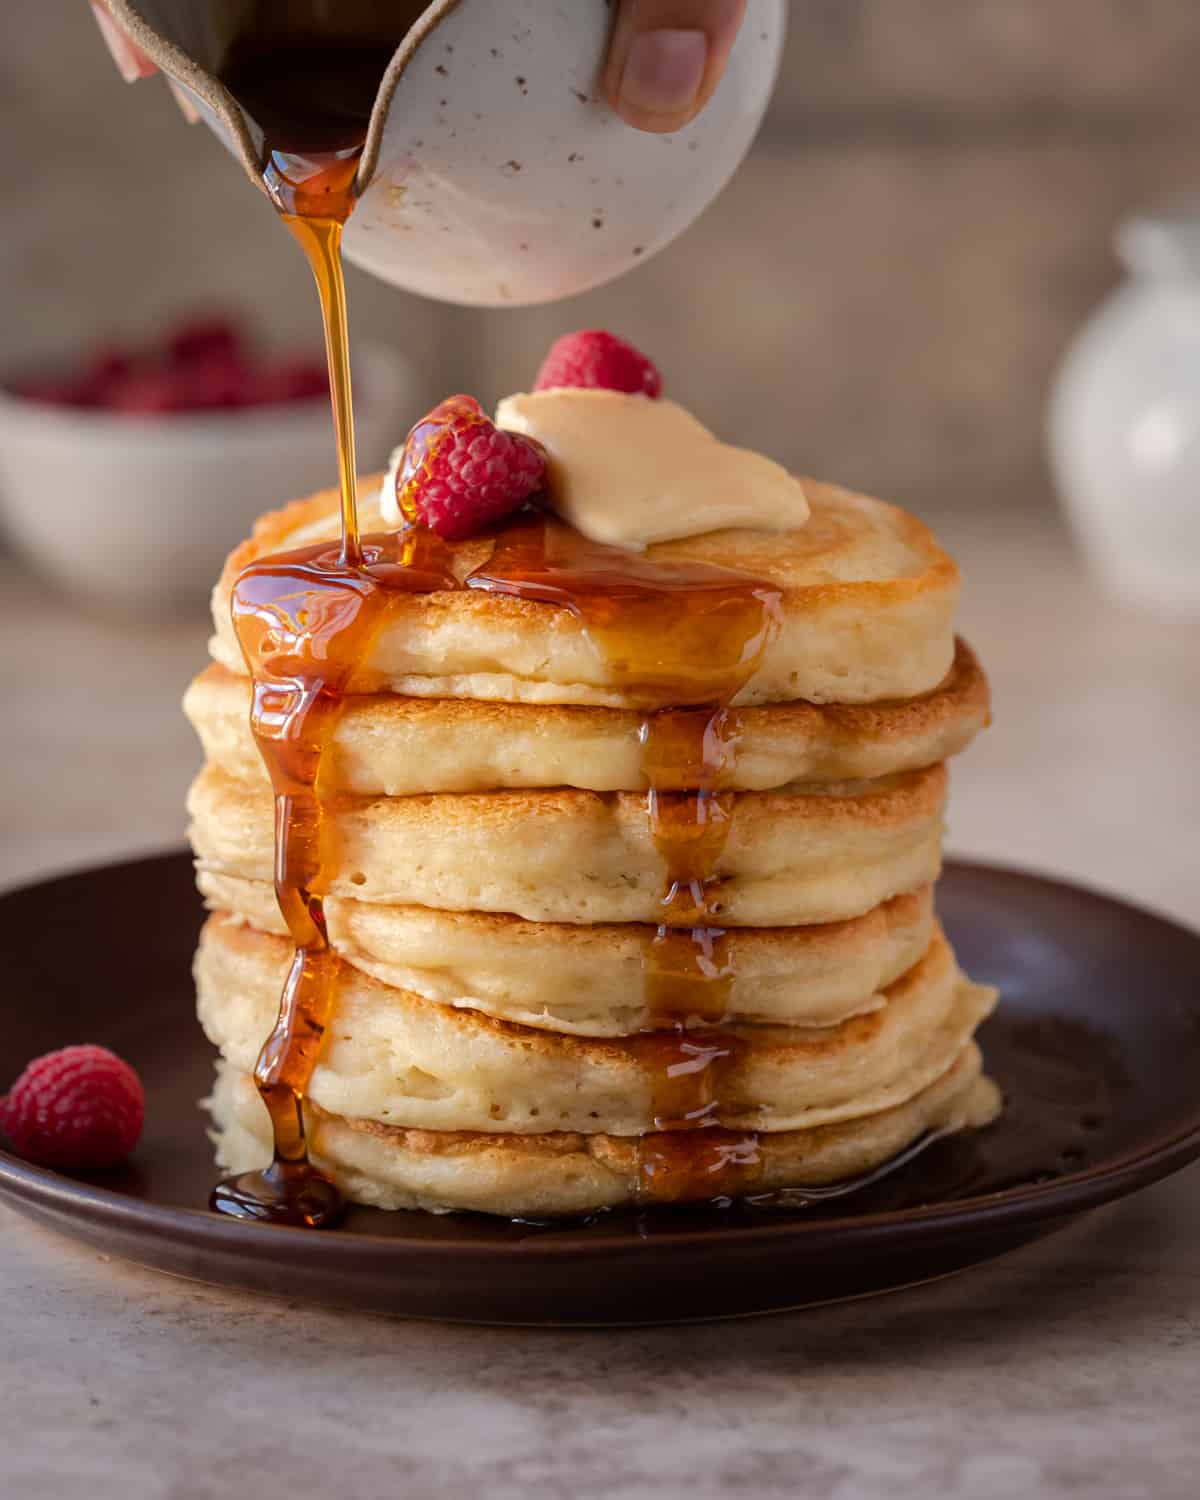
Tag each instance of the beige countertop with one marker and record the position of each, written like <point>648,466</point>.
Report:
<point>1069,1368</point>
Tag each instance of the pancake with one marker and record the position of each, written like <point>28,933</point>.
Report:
<point>574,856</point>
<point>397,747</point>
<point>393,1057</point>
<point>591,981</point>
<point>560,1173</point>
<point>868,600</point>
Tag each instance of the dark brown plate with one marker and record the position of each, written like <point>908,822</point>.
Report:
<point>1095,1044</point>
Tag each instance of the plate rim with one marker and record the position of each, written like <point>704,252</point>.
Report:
<point>23,1182</point>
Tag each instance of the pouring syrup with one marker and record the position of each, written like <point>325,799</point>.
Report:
<point>681,639</point>
<point>304,619</point>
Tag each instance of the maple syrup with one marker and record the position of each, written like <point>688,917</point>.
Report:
<point>313,104</point>
<point>681,639</point>
<point>305,619</point>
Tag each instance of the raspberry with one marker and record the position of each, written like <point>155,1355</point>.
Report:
<point>598,361</point>
<point>147,393</point>
<point>105,368</point>
<point>77,1109</point>
<point>211,384</point>
<point>294,379</point>
<point>52,392</point>
<point>459,472</point>
<point>203,339</point>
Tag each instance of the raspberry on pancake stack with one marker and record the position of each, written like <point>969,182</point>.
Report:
<point>630,817</point>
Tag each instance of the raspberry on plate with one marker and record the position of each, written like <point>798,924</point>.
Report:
<point>597,360</point>
<point>78,1109</point>
<point>459,472</point>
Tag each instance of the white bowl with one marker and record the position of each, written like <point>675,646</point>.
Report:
<point>138,513</point>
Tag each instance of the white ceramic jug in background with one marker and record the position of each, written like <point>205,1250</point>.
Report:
<point>1124,421</point>
<point>494,174</point>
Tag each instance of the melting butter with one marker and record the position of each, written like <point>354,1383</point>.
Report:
<point>629,471</point>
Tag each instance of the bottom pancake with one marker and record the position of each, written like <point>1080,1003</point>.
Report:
<point>567,1173</point>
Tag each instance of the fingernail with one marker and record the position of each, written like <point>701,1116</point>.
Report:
<point>664,71</point>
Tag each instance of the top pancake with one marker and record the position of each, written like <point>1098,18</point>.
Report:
<point>867,605</point>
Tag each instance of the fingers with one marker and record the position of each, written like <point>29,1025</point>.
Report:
<point>130,60</point>
<point>133,62</point>
<point>666,58</point>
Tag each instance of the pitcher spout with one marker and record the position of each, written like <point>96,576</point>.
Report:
<point>194,43</point>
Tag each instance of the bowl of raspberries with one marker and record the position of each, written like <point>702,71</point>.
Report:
<point>128,473</point>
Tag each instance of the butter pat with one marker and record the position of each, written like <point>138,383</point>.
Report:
<point>629,471</point>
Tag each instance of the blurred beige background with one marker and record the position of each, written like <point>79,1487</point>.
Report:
<point>879,297</point>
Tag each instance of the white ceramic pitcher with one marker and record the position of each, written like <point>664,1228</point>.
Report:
<point>494,173</point>
<point>1124,421</point>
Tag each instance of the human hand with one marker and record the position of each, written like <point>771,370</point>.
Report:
<point>667,57</point>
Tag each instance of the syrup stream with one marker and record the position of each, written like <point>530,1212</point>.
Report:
<point>321,241</point>
<point>303,621</point>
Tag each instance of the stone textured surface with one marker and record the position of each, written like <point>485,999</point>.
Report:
<point>1066,1369</point>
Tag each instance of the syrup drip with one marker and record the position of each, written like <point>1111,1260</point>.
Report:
<point>320,237</point>
<point>305,619</point>
<point>682,639</point>
<point>313,103</point>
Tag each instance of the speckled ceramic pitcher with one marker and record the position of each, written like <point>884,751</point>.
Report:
<point>493,173</point>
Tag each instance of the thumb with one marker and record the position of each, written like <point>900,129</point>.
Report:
<point>666,57</point>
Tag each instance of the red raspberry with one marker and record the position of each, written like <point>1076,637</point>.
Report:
<point>459,472</point>
<point>106,368</point>
<point>212,384</point>
<point>52,392</point>
<point>204,339</point>
<point>147,393</point>
<point>294,379</point>
<point>77,1109</point>
<point>598,361</point>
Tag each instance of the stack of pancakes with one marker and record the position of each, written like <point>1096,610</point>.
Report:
<point>494,890</point>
